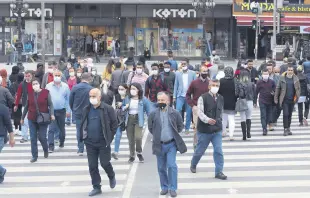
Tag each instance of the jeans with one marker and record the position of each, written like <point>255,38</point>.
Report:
<point>37,131</point>
<point>265,114</point>
<point>134,135</point>
<point>287,114</point>
<point>25,128</point>
<point>80,144</point>
<point>276,112</point>
<point>57,124</point>
<point>181,101</point>
<point>204,140</point>
<point>1,147</point>
<point>167,167</point>
<point>103,152</point>
<point>72,117</point>
<point>302,115</point>
<point>118,137</point>
<point>247,115</point>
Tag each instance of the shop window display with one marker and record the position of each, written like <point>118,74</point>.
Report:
<point>221,38</point>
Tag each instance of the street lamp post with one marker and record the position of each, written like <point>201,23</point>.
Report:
<point>204,6</point>
<point>19,9</point>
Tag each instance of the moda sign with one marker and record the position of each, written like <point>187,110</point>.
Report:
<point>35,13</point>
<point>166,13</point>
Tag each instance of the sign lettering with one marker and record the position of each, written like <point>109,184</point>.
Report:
<point>35,12</point>
<point>166,13</point>
<point>269,7</point>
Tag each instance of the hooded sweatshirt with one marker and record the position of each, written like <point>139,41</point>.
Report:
<point>14,74</point>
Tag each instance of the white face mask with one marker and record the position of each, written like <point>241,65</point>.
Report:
<point>93,72</point>
<point>265,77</point>
<point>154,72</point>
<point>57,79</point>
<point>167,69</point>
<point>72,57</point>
<point>184,68</point>
<point>79,74</point>
<point>139,71</point>
<point>122,92</point>
<point>133,92</point>
<point>50,70</point>
<point>214,90</point>
<point>71,73</point>
<point>93,101</point>
<point>36,88</point>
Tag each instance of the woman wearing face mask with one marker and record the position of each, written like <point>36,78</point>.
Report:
<point>73,61</point>
<point>229,91</point>
<point>72,80</point>
<point>97,80</point>
<point>121,117</point>
<point>42,99</point>
<point>135,105</point>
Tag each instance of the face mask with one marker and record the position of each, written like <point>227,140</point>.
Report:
<point>71,73</point>
<point>36,88</point>
<point>184,68</point>
<point>155,72</point>
<point>133,92</point>
<point>122,92</point>
<point>265,77</point>
<point>68,66</point>
<point>57,79</point>
<point>50,70</point>
<point>214,90</point>
<point>167,70</point>
<point>79,74</point>
<point>93,72</point>
<point>204,76</point>
<point>72,57</point>
<point>139,71</point>
<point>162,105</point>
<point>277,74</point>
<point>93,101</point>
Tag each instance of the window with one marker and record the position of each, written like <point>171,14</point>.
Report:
<point>296,1</point>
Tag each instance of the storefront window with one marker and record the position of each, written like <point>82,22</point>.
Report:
<point>221,37</point>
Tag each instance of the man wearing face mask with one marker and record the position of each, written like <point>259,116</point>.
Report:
<point>60,94</point>
<point>166,124</point>
<point>138,76</point>
<point>49,76</point>
<point>154,85</point>
<point>182,81</point>
<point>265,89</point>
<point>97,80</point>
<point>169,78</point>
<point>79,99</point>
<point>209,128</point>
<point>195,90</point>
<point>287,94</point>
<point>98,127</point>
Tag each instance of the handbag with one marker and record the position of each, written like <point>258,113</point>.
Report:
<point>42,118</point>
<point>241,105</point>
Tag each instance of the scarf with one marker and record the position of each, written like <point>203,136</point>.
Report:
<point>229,73</point>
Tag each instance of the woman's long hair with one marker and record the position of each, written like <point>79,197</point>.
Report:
<point>109,66</point>
<point>140,90</point>
<point>244,76</point>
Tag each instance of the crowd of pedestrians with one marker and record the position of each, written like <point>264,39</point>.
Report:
<point>127,95</point>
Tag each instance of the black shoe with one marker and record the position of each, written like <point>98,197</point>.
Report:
<point>45,154</point>
<point>95,191</point>
<point>289,131</point>
<point>243,127</point>
<point>163,192</point>
<point>264,132</point>
<point>131,160</point>
<point>114,155</point>
<point>112,182</point>
<point>61,145</point>
<point>2,176</point>
<point>221,176</point>
<point>51,149</point>
<point>23,140</point>
<point>193,169</point>
<point>285,132</point>
<point>33,160</point>
<point>248,128</point>
<point>173,193</point>
<point>141,159</point>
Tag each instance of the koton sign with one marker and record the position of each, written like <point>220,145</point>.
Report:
<point>166,13</point>
<point>35,12</point>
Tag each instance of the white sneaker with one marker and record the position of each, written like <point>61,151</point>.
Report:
<point>80,154</point>
<point>17,132</point>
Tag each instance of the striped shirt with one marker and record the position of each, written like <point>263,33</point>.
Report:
<point>138,78</point>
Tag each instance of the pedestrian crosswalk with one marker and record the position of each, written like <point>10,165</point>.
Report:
<point>63,174</point>
<point>262,167</point>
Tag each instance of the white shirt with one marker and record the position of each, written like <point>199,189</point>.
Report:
<point>185,83</point>
<point>133,106</point>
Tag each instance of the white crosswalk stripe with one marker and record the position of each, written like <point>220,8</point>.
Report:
<point>262,167</point>
<point>64,172</point>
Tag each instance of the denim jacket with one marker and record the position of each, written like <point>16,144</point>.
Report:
<point>144,107</point>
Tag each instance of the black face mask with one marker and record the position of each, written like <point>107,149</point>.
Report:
<point>162,105</point>
<point>204,76</point>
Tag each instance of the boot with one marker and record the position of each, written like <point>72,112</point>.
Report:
<point>248,128</point>
<point>243,127</point>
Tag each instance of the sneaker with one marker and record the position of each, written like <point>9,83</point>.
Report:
<point>56,141</point>
<point>231,139</point>
<point>221,176</point>
<point>51,149</point>
<point>131,160</point>
<point>173,193</point>
<point>164,192</point>
<point>46,154</point>
<point>80,154</point>
<point>193,169</point>
<point>2,176</point>
<point>23,140</point>
<point>264,132</point>
<point>305,122</point>
<point>224,134</point>
<point>17,133</point>
<point>285,132</point>
<point>95,191</point>
<point>112,182</point>
<point>289,131</point>
<point>270,127</point>
<point>186,132</point>
<point>33,160</point>
<point>301,124</point>
<point>141,159</point>
<point>115,156</point>
<point>61,145</point>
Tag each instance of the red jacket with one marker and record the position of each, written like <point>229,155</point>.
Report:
<point>42,104</point>
<point>195,90</point>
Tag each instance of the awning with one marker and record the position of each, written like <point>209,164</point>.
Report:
<point>268,20</point>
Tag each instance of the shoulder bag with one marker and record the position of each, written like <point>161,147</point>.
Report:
<point>42,118</point>
<point>241,104</point>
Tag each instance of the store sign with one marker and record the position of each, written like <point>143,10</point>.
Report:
<point>268,7</point>
<point>166,13</point>
<point>35,13</point>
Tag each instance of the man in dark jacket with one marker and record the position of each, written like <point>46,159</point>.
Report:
<point>209,128</point>
<point>165,124</point>
<point>169,78</point>
<point>116,77</point>
<point>99,125</point>
<point>253,71</point>
<point>5,127</point>
<point>304,97</point>
<point>79,99</point>
<point>6,97</point>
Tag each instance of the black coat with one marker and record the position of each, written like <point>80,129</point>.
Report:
<point>303,80</point>
<point>228,89</point>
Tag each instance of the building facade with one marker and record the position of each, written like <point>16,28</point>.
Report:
<point>158,27</point>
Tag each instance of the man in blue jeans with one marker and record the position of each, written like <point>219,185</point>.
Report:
<point>209,128</point>
<point>79,99</point>
<point>5,127</point>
